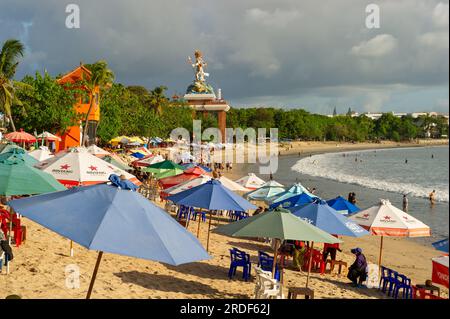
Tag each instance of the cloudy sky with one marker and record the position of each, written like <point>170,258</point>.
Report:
<point>310,54</point>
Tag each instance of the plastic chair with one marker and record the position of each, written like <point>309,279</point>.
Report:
<point>388,280</point>
<point>203,215</point>
<point>265,262</point>
<point>240,259</point>
<point>402,283</point>
<point>316,261</point>
<point>266,286</point>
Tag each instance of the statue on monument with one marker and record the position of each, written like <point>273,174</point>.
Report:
<point>199,85</point>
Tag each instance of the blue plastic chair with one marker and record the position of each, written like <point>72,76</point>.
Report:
<point>387,281</point>
<point>240,259</point>
<point>265,262</point>
<point>402,283</point>
<point>203,215</point>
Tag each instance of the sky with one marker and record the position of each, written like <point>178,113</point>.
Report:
<point>310,54</point>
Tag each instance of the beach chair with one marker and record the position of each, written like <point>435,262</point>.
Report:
<point>387,282</point>
<point>239,259</point>
<point>402,283</point>
<point>201,213</point>
<point>265,262</point>
<point>268,288</point>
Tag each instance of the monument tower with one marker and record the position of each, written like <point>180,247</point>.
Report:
<point>201,97</point>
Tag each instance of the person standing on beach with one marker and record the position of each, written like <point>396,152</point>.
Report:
<point>405,203</point>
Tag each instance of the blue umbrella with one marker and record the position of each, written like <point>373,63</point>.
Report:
<point>18,153</point>
<point>112,219</point>
<point>328,219</point>
<point>297,200</point>
<point>342,205</point>
<point>138,155</point>
<point>441,245</point>
<point>211,195</point>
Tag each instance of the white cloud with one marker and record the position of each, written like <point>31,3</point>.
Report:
<point>277,18</point>
<point>440,15</point>
<point>438,40</point>
<point>378,46</point>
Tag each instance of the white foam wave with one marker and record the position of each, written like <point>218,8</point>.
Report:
<point>327,166</point>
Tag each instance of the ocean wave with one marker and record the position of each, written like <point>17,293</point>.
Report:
<point>327,166</point>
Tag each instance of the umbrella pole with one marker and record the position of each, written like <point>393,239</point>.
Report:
<point>209,227</point>
<point>309,263</point>
<point>94,274</point>
<point>10,224</point>
<point>198,227</point>
<point>275,258</point>
<point>379,258</point>
<point>71,248</point>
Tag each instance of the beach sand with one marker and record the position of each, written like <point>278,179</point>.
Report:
<point>39,269</point>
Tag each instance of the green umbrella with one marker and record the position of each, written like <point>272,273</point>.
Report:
<point>279,224</point>
<point>18,153</point>
<point>8,147</point>
<point>264,193</point>
<point>18,178</point>
<point>169,172</point>
<point>160,167</point>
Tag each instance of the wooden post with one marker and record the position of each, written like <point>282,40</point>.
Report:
<point>309,263</point>
<point>94,274</point>
<point>209,227</point>
<point>275,258</point>
<point>11,214</point>
<point>199,221</point>
<point>71,248</point>
<point>379,258</point>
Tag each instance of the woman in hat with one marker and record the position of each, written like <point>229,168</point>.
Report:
<point>357,272</point>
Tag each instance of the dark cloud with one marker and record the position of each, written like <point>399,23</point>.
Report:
<point>284,53</point>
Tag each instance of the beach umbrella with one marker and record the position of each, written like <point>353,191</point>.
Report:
<point>48,137</point>
<point>137,140</point>
<point>272,183</point>
<point>294,201</point>
<point>120,139</point>
<point>188,174</point>
<point>441,245</point>
<point>116,161</point>
<point>108,218</point>
<point>7,147</point>
<point>295,189</point>
<point>328,219</point>
<point>97,151</point>
<point>232,185</point>
<point>440,270</point>
<point>41,154</point>
<point>18,153</point>
<point>185,186</point>
<point>384,219</point>
<point>168,173</point>
<point>211,195</point>
<point>78,167</point>
<point>18,178</point>
<point>278,224</point>
<point>251,181</point>
<point>264,193</point>
<point>147,161</point>
<point>20,137</point>
<point>162,166</point>
<point>343,206</point>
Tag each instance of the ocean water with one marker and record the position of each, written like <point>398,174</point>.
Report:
<point>377,175</point>
<point>413,171</point>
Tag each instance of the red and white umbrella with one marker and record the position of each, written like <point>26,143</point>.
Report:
<point>48,137</point>
<point>251,181</point>
<point>385,219</point>
<point>147,161</point>
<point>440,270</point>
<point>78,167</point>
<point>232,186</point>
<point>20,137</point>
<point>185,186</point>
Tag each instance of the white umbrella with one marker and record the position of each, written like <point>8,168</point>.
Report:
<point>78,167</point>
<point>97,151</point>
<point>231,185</point>
<point>385,219</point>
<point>251,181</point>
<point>41,154</point>
<point>48,136</point>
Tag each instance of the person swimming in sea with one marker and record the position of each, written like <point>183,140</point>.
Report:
<point>431,197</point>
<point>406,161</point>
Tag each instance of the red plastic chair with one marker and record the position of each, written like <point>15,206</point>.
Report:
<point>17,229</point>
<point>421,293</point>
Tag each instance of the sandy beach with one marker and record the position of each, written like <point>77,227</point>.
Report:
<point>39,267</point>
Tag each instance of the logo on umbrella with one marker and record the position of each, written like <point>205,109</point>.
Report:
<point>63,169</point>
<point>387,219</point>
<point>65,166</point>
<point>92,168</point>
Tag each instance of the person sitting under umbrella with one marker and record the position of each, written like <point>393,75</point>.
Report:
<point>357,272</point>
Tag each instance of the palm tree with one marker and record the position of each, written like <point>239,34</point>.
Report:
<point>101,77</point>
<point>158,99</point>
<point>11,51</point>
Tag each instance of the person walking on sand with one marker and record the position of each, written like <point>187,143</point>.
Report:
<point>431,197</point>
<point>405,203</point>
